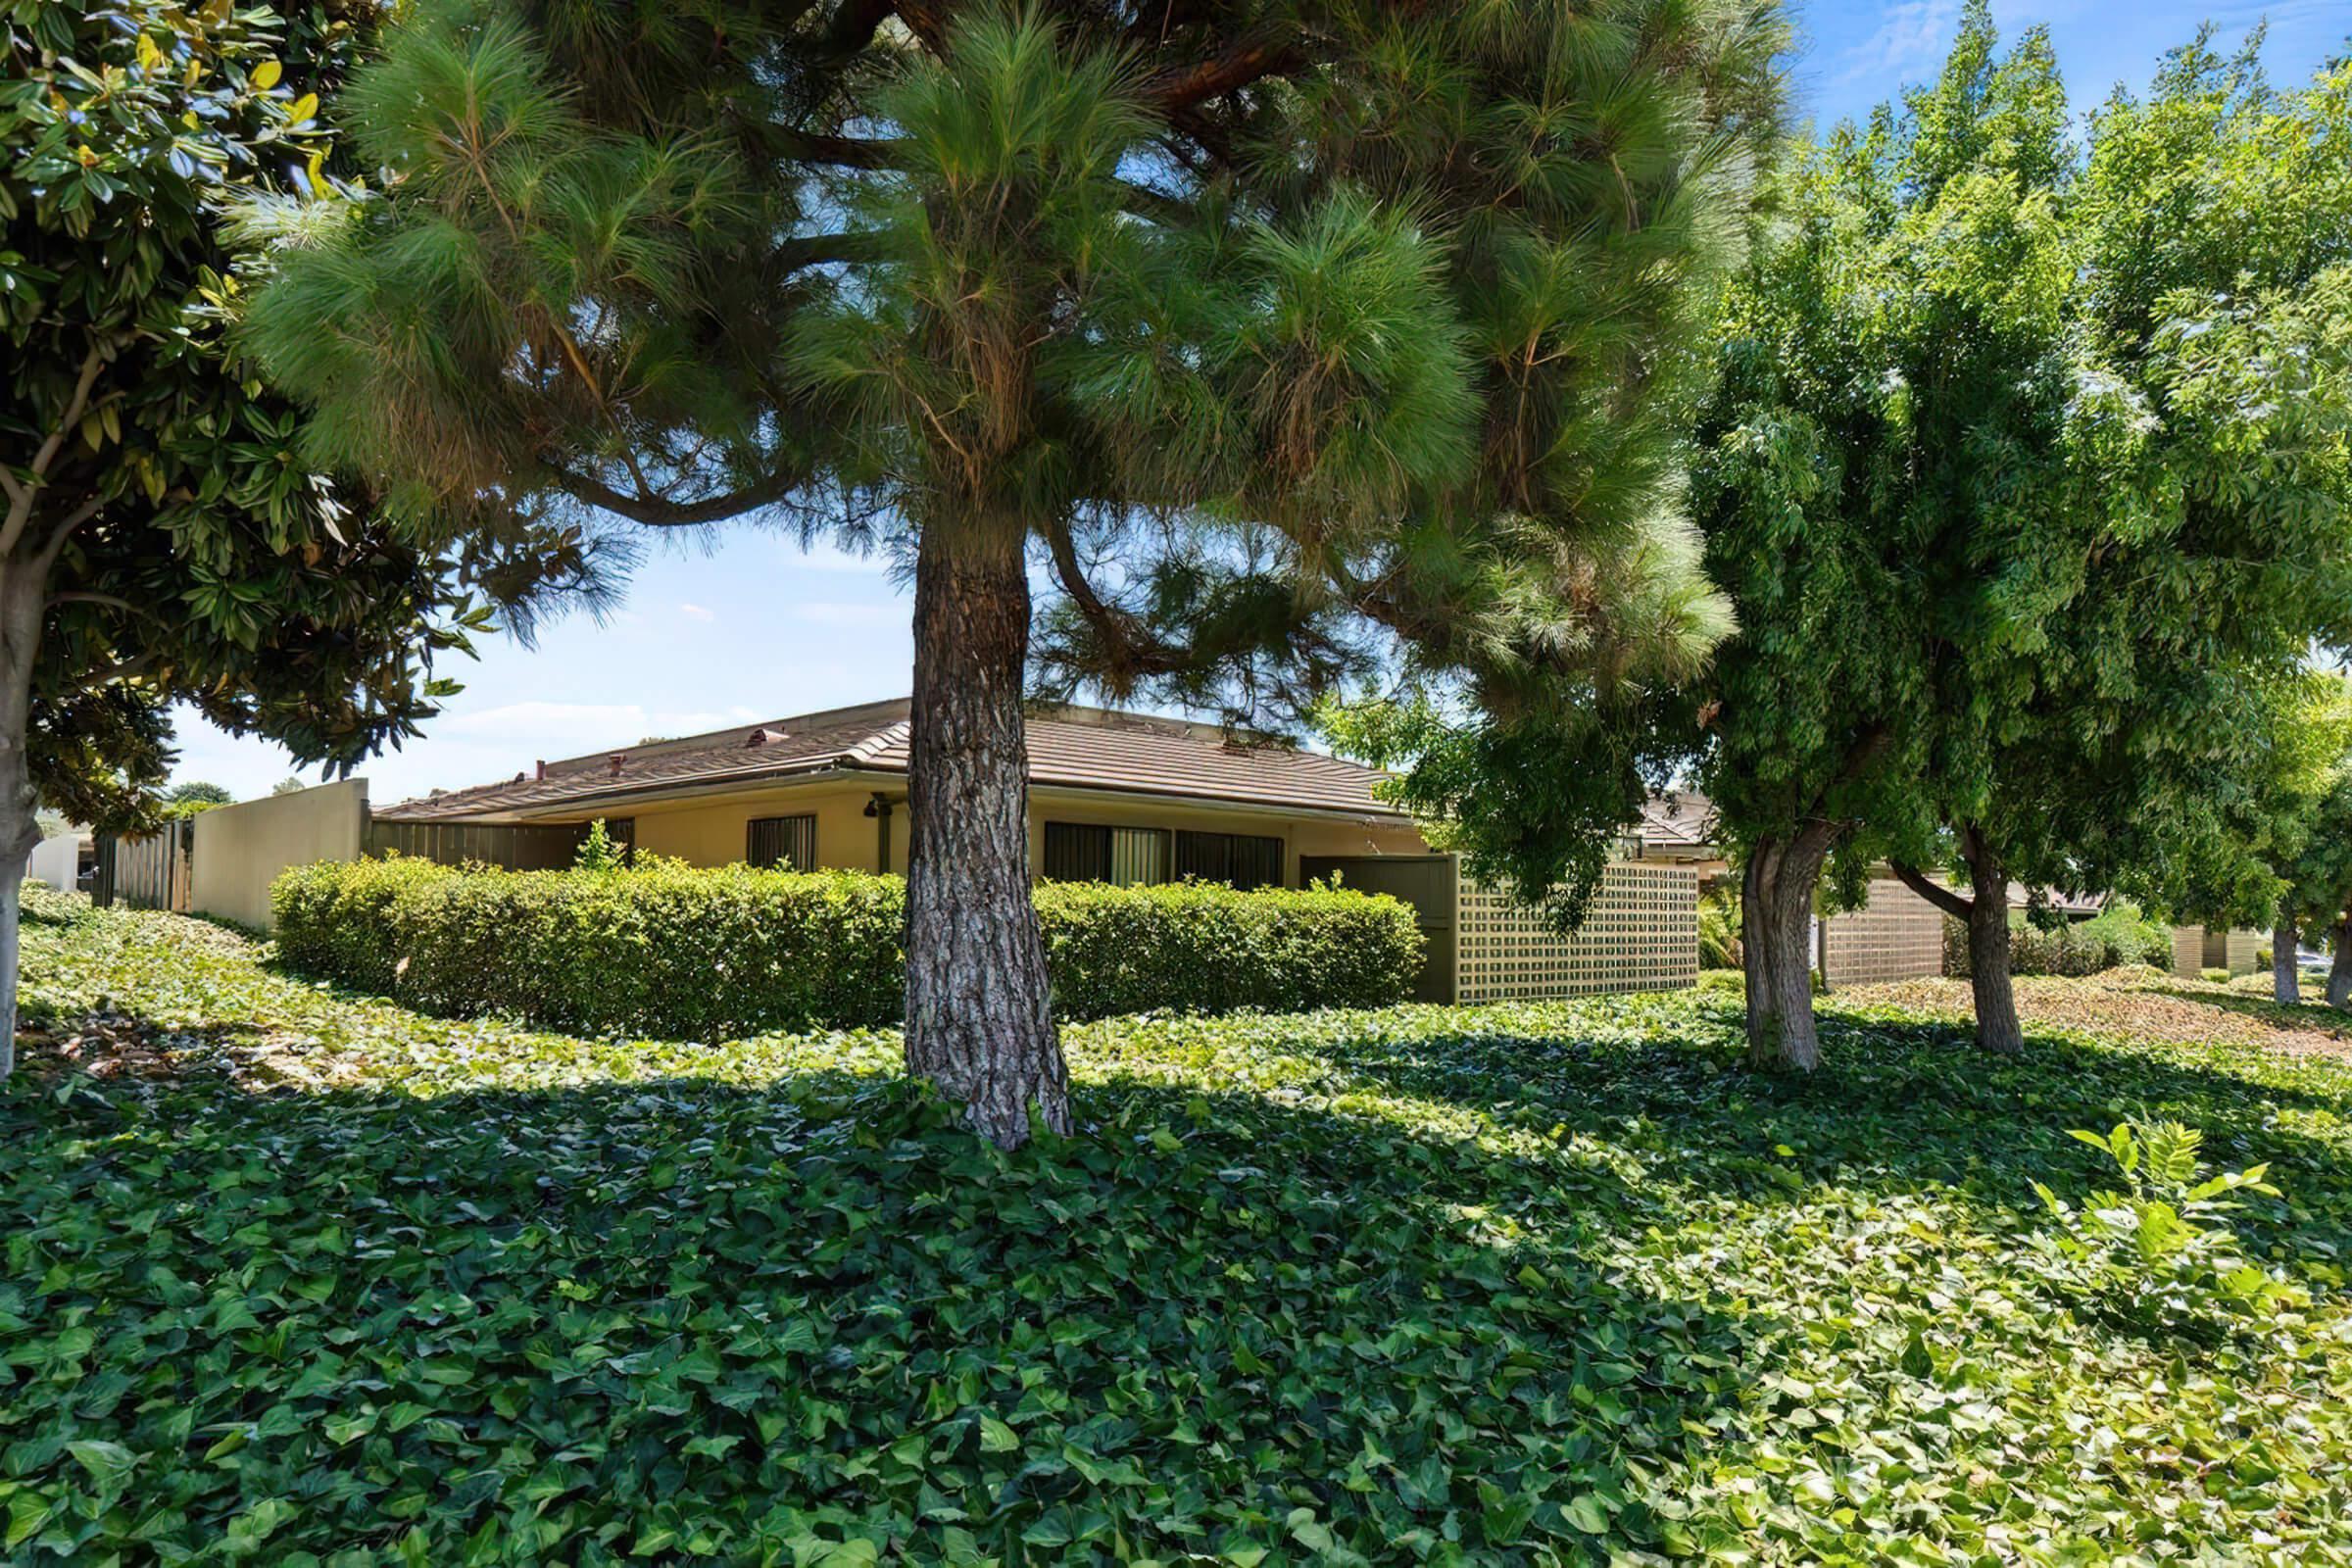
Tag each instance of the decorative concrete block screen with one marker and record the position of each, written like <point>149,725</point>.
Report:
<point>1896,936</point>
<point>2189,951</point>
<point>1640,935</point>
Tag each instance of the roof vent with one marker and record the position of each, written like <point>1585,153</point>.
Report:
<point>541,774</point>
<point>518,778</point>
<point>617,758</point>
<point>765,737</point>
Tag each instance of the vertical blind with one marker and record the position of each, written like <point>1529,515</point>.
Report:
<point>1087,852</point>
<point>785,841</point>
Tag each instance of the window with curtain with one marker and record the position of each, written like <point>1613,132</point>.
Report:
<point>1089,851</point>
<point>1131,856</point>
<point>782,841</point>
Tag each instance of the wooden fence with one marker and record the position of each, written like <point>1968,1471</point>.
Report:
<point>156,872</point>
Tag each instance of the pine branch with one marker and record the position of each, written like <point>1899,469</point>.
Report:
<point>659,512</point>
<point>1234,69</point>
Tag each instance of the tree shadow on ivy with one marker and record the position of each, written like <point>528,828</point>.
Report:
<point>1897,1106</point>
<point>1213,1320</point>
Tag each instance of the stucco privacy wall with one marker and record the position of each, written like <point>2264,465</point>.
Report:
<point>1896,935</point>
<point>1641,934</point>
<point>55,861</point>
<point>240,850</point>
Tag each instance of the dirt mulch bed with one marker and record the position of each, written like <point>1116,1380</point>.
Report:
<point>2140,1003</point>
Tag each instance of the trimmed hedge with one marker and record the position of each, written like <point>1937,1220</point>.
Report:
<point>686,953</point>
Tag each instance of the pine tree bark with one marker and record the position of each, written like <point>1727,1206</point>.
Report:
<point>2286,980</point>
<point>22,587</point>
<point>1776,919</point>
<point>2339,972</point>
<point>979,1021</point>
<point>1998,1026</point>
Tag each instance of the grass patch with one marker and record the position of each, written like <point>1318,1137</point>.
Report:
<point>321,1280</point>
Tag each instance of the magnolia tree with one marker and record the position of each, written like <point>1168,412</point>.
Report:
<point>1244,319</point>
<point>162,540</point>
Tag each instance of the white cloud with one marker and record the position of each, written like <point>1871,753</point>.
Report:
<point>1911,35</point>
<point>697,613</point>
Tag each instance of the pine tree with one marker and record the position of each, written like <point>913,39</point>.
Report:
<point>1246,317</point>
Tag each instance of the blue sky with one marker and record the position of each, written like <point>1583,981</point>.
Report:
<point>751,627</point>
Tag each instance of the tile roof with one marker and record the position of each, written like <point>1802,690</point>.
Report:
<point>1072,748</point>
<point>1679,819</point>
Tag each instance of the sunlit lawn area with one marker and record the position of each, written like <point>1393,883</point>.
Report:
<point>296,1277</point>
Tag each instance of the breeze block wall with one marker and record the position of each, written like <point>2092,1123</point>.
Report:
<point>1896,936</point>
<point>1641,934</point>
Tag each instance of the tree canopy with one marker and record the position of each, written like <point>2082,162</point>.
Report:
<point>164,540</point>
<point>2026,510</point>
<point>1255,324</point>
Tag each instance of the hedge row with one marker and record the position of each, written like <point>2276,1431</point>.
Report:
<point>684,952</point>
<point>2070,950</point>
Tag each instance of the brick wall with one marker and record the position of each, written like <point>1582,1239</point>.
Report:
<point>1896,936</point>
<point>1641,934</point>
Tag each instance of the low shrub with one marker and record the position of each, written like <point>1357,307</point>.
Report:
<point>666,950</point>
<point>1196,946</point>
<point>2074,950</point>
<point>687,952</point>
<point>2217,975</point>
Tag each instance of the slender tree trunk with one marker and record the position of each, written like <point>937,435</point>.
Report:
<point>1998,1028</point>
<point>979,1023</point>
<point>1775,914</point>
<point>2339,973</point>
<point>2286,979</point>
<point>21,591</point>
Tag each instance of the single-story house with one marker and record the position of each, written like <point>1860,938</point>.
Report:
<point>1115,797</point>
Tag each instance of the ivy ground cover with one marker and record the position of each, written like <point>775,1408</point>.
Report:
<point>294,1277</point>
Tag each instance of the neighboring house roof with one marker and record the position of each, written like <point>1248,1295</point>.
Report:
<point>1070,748</point>
<point>1679,824</point>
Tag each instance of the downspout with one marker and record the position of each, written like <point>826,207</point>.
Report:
<point>879,808</point>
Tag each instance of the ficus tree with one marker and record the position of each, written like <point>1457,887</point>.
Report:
<point>162,540</point>
<point>2210,233</point>
<point>2018,524</point>
<point>2276,843</point>
<point>1219,315</point>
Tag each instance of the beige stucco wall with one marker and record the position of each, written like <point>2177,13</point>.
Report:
<point>240,850</point>
<point>55,861</point>
<point>712,831</point>
<point>1300,835</point>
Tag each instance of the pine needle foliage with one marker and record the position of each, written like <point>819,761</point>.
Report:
<point>1263,325</point>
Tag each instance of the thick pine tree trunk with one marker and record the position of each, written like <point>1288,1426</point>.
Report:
<point>1776,920</point>
<point>2286,980</point>
<point>1997,1027</point>
<point>21,590</point>
<point>978,1019</point>
<point>2339,973</point>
